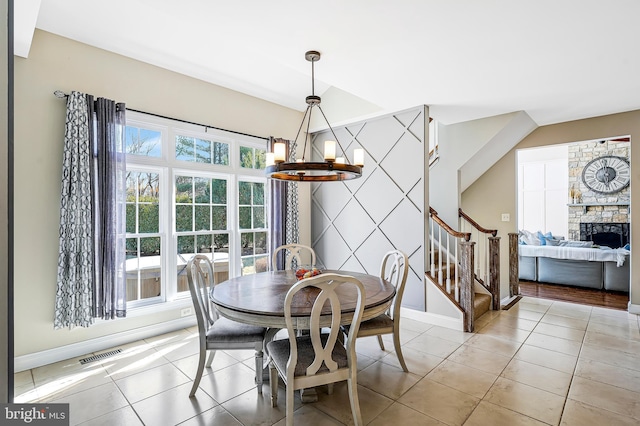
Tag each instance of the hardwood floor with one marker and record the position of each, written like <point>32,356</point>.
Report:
<point>583,296</point>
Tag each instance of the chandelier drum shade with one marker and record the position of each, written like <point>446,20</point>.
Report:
<point>333,168</point>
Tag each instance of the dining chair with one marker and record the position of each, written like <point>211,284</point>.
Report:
<point>216,332</point>
<point>394,268</point>
<point>299,252</point>
<point>305,361</point>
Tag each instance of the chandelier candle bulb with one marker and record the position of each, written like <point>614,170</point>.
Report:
<point>269,159</point>
<point>299,160</point>
<point>279,152</point>
<point>358,157</point>
<point>330,150</point>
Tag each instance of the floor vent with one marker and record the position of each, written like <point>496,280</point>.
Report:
<point>100,356</point>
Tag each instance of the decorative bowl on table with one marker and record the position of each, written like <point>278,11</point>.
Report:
<point>307,271</point>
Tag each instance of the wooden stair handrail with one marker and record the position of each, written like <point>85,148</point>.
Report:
<point>473,223</point>
<point>450,230</point>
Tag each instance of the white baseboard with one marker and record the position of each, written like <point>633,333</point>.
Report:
<point>435,319</point>
<point>49,356</point>
<point>633,309</point>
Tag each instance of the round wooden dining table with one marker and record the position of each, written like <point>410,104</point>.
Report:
<point>258,299</point>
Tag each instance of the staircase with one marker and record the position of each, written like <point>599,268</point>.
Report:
<point>472,287</point>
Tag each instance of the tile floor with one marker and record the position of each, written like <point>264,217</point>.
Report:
<point>541,362</point>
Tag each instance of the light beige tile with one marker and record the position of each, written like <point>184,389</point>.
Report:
<point>487,361</point>
<point>337,404</point>
<point>571,311</point>
<point>403,415</point>
<point>229,382</point>
<point>172,406</point>
<point>617,313</point>
<point>133,360</point>
<point>541,405</point>
<point>621,330</point>
<point>605,397</point>
<point>494,344</point>
<point>465,379</point>
<point>487,413</point>
<point>433,345</point>
<point>58,387</point>
<point>525,314</point>
<point>364,361</point>
<point>515,322</point>
<point>557,344</point>
<point>25,393</point>
<point>386,379</point>
<point>414,325</point>
<point>547,358</point>
<point>608,341</point>
<point>536,301</point>
<point>419,363</point>
<point>504,332</point>
<point>535,307</point>
<point>307,415</point>
<point>609,374</point>
<point>93,402</point>
<point>627,320</point>
<point>440,402</point>
<point>449,334</point>
<point>123,416</point>
<point>150,382</point>
<point>217,416</point>
<point>251,408</point>
<point>564,321</point>
<point>580,414</point>
<point>405,336</point>
<point>538,376</point>
<point>559,331</point>
<point>177,350</point>
<point>189,365</point>
<point>23,378</point>
<point>369,346</point>
<point>167,338</point>
<point>61,368</point>
<point>611,356</point>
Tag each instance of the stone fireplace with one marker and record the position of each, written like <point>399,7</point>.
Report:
<point>608,234</point>
<point>593,210</point>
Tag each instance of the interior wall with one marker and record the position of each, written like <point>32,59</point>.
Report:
<point>354,223</point>
<point>495,192</point>
<point>57,63</point>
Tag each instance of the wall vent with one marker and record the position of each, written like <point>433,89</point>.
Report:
<point>100,356</point>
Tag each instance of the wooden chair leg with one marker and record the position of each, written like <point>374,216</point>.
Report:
<point>196,380</point>
<point>289,408</point>
<point>396,344</point>
<point>380,342</point>
<point>212,353</point>
<point>273,381</point>
<point>259,370</point>
<point>355,402</point>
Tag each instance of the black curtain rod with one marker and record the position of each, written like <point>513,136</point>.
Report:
<point>60,94</point>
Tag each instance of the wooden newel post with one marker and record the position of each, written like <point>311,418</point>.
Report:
<point>467,293</point>
<point>494,272</point>
<point>514,268</point>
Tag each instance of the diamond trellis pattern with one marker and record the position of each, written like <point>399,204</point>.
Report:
<point>379,195</point>
<point>354,224</point>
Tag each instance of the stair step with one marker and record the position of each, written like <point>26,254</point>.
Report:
<point>481,304</point>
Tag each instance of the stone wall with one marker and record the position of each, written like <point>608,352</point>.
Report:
<point>588,208</point>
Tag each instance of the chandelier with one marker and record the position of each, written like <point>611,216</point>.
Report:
<point>333,168</point>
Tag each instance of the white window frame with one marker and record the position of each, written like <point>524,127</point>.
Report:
<point>169,167</point>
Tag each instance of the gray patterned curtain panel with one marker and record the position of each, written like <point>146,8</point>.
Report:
<point>283,207</point>
<point>91,281</point>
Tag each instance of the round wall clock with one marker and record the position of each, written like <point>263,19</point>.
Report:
<point>607,174</point>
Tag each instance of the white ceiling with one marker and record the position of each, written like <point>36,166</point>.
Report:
<point>557,60</point>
